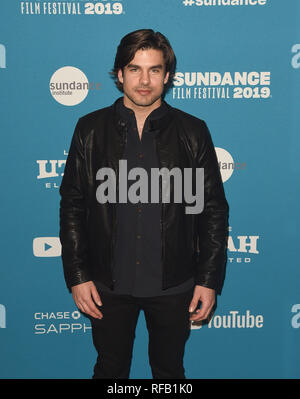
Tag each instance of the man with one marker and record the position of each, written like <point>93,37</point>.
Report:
<point>121,257</point>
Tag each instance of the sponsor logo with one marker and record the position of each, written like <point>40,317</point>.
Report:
<point>226,164</point>
<point>2,56</point>
<point>201,3</point>
<point>60,323</point>
<point>217,85</point>
<point>233,319</point>
<point>295,321</point>
<point>71,7</point>
<point>46,247</point>
<point>296,58</point>
<point>69,86</point>
<point>241,248</point>
<point>2,316</point>
<point>51,169</point>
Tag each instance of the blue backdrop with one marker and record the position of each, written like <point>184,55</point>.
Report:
<point>239,70</point>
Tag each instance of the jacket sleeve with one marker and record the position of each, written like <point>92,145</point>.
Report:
<point>73,211</point>
<point>213,220</point>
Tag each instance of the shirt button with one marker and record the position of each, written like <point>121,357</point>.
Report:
<point>140,156</point>
<point>137,262</point>
<point>140,210</point>
<point>138,236</point>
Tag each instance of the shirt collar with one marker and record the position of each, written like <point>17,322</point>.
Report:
<point>127,113</point>
<point>157,120</point>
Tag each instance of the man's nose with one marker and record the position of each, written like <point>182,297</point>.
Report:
<point>145,79</point>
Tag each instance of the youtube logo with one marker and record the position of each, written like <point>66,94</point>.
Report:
<point>46,246</point>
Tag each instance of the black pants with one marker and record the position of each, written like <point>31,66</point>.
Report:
<point>167,320</point>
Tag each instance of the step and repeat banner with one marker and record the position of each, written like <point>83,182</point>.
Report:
<point>238,68</point>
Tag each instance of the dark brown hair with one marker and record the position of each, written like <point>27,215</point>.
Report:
<point>143,39</point>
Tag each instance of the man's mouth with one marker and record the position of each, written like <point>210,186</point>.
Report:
<point>143,92</point>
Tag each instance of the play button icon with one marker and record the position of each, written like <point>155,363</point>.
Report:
<point>46,247</point>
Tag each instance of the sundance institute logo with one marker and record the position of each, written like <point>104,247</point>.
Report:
<point>70,86</point>
<point>188,187</point>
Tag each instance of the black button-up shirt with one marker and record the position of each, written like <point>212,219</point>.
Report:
<point>138,265</point>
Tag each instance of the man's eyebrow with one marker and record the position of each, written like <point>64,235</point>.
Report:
<point>159,66</point>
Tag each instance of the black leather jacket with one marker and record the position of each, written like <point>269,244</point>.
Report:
<point>192,244</point>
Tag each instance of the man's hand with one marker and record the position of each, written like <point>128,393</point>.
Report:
<point>207,297</point>
<point>84,296</point>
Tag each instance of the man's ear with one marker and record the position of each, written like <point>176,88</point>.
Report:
<point>120,76</point>
<point>166,78</point>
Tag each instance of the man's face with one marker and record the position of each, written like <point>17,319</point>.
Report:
<point>144,78</point>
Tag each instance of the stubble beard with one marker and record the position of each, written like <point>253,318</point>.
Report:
<point>147,101</point>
